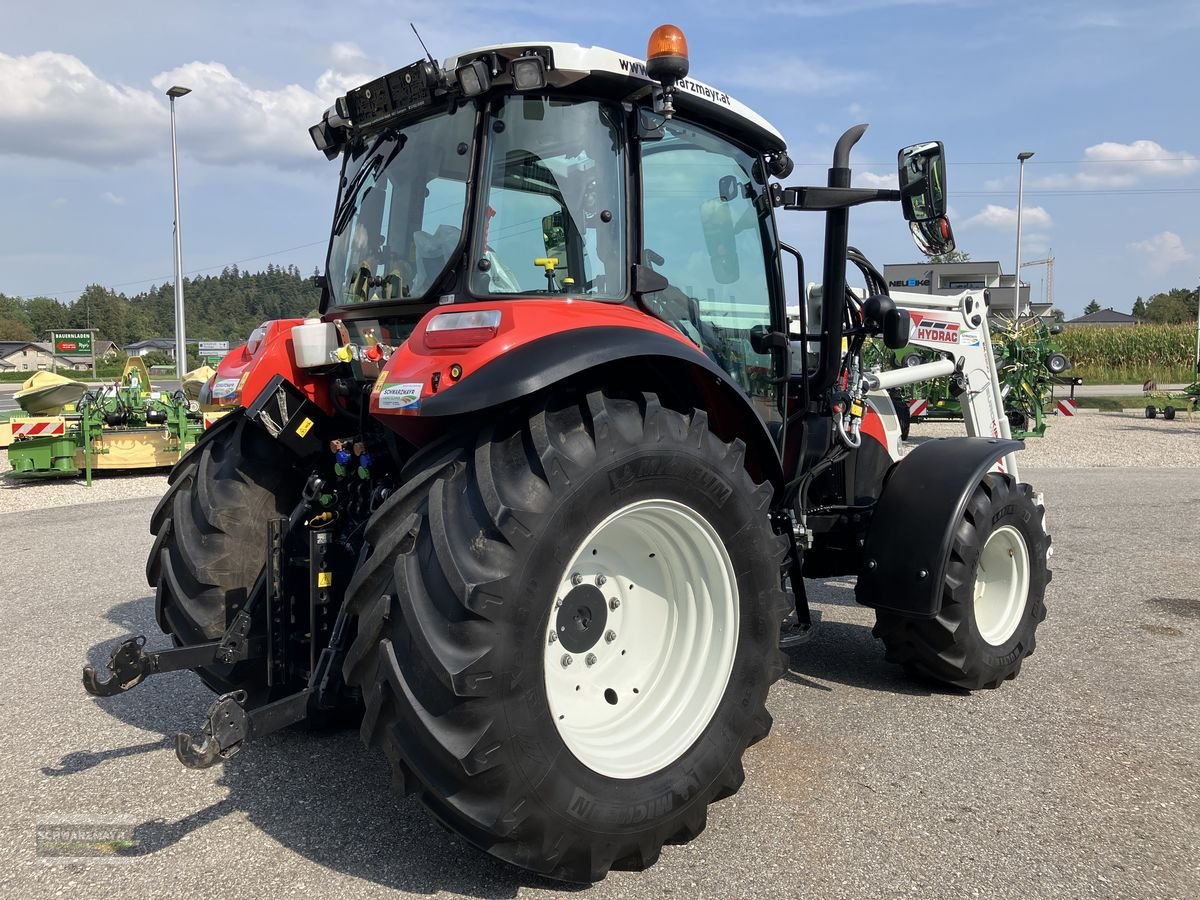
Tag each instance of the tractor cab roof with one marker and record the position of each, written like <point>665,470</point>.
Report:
<point>604,71</point>
<point>571,69</point>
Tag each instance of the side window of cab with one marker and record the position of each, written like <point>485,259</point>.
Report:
<point>704,232</point>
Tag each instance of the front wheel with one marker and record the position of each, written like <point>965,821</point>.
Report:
<point>567,628</point>
<point>992,594</point>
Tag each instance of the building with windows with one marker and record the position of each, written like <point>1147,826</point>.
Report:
<point>151,345</point>
<point>25,356</point>
<point>956,277</point>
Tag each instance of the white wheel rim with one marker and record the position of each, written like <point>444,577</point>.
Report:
<point>1001,585</point>
<point>637,698</point>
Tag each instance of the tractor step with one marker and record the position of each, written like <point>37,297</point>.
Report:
<point>793,633</point>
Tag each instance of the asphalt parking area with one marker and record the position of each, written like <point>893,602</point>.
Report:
<point>1078,779</point>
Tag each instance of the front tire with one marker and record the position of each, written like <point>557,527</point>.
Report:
<point>635,537</point>
<point>992,594</point>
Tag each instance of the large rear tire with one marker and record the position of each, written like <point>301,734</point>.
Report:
<point>211,540</point>
<point>605,528</point>
<point>992,594</point>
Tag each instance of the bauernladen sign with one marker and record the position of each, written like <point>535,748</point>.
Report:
<point>73,343</point>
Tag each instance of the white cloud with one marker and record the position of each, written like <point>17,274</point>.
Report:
<point>1115,165</point>
<point>114,199</point>
<point>1005,218</point>
<point>794,76</point>
<point>52,105</point>
<point>58,202</point>
<point>871,180</point>
<point>1162,251</point>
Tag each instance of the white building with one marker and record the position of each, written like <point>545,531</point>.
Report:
<point>955,277</point>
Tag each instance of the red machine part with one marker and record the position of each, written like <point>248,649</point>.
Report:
<point>245,370</point>
<point>487,332</point>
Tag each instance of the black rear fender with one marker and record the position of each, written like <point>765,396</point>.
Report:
<point>610,356</point>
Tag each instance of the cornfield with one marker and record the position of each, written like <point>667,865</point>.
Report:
<point>1131,354</point>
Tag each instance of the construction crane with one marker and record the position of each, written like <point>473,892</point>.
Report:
<point>1048,262</point>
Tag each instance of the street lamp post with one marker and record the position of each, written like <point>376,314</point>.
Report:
<point>1021,157</point>
<point>180,336</point>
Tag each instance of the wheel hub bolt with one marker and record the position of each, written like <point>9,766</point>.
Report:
<point>614,603</point>
<point>590,659</point>
<point>576,579</point>
<point>610,636</point>
<point>567,659</point>
<point>600,579</point>
<point>553,637</point>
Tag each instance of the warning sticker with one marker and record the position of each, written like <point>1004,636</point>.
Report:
<point>305,424</point>
<point>400,396</point>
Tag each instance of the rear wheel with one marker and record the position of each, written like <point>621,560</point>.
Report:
<point>211,540</point>
<point>1168,413</point>
<point>1151,412</point>
<point>567,629</point>
<point>992,594</point>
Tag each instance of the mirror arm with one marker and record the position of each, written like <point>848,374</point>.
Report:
<point>823,199</point>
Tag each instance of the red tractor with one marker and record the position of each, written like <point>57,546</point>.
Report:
<point>534,499</point>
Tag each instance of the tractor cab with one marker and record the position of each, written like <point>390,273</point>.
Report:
<point>555,171</point>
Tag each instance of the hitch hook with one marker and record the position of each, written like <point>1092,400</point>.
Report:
<point>227,726</point>
<point>127,663</point>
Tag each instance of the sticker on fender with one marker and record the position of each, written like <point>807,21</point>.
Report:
<point>400,396</point>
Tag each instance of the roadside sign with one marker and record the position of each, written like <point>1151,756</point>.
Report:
<point>73,343</point>
<point>210,348</point>
<point>212,360</point>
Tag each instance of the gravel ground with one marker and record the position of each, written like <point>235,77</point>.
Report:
<point>1098,439</point>
<point>1090,439</point>
<point>1079,779</point>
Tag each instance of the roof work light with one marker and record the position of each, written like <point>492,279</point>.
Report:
<point>528,73</point>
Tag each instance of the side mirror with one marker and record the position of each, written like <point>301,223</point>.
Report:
<point>554,235</point>
<point>933,237</point>
<point>717,222</point>
<point>922,170</point>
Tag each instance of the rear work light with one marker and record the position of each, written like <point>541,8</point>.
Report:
<point>462,329</point>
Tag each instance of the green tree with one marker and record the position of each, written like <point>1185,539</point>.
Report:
<point>1092,307</point>
<point>1139,308</point>
<point>13,330</point>
<point>1172,307</point>
<point>1057,314</point>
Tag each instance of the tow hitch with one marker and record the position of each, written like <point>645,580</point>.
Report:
<point>229,723</point>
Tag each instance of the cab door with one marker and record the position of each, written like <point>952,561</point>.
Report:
<point>708,228</point>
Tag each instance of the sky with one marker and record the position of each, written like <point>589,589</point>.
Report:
<point>1104,93</point>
